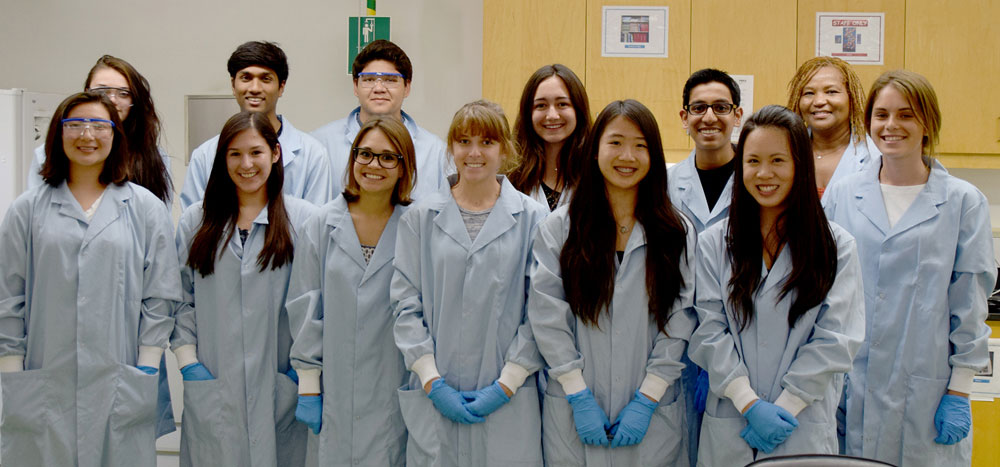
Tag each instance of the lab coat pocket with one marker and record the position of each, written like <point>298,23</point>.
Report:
<point>517,423</point>
<point>286,397</point>
<point>133,418</point>
<point>664,444</point>
<point>561,444</point>
<point>809,438</point>
<point>423,422</point>
<point>922,398</point>
<point>203,423</point>
<point>290,436</point>
<point>26,415</point>
<point>720,442</point>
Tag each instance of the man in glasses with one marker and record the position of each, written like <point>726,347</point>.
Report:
<point>701,187</point>
<point>258,72</point>
<point>382,75</point>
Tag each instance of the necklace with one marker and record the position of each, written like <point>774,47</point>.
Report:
<point>622,229</point>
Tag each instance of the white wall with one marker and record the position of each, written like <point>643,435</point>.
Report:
<point>181,47</point>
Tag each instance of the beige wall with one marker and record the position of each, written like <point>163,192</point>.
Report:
<point>181,47</point>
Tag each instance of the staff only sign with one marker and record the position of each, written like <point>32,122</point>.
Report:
<point>857,38</point>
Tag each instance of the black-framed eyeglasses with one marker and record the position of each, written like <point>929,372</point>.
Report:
<point>386,160</point>
<point>718,108</point>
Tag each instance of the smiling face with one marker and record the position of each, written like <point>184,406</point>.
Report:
<point>257,89</point>
<point>105,77</point>
<point>894,125</point>
<point>710,131</point>
<point>379,100</point>
<point>768,167</point>
<point>89,148</point>
<point>477,158</point>
<point>552,114</point>
<point>825,103</point>
<point>373,178</point>
<point>248,161</point>
<point>622,155</point>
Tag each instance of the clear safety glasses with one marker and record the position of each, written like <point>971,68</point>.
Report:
<point>386,160</point>
<point>121,94</point>
<point>74,127</point>
<point>368,80</point>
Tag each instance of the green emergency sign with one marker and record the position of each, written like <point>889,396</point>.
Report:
<point>363,30</point>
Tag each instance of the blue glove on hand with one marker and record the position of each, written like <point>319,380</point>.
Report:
<point>292,374</point>
<point>756,442</point>
<point>772,424</point>
<point>632,422</point>
<point>310,412</point>
<point>147,369</point>
<point>953,419</point>
<point>196,372</point>
<point>451,404</point>
<point>701,391</point>
<point>486,400</point>
<point>591,422</point>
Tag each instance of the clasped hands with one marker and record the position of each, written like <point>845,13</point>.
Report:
<point>467,406</point>
<point>594,428</point>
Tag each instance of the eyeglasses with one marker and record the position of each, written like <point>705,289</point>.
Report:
<point>386,160</point>
<point>74,127</point>
<point>367,80</point>
<point>719,108</point>
<point>114,93</point>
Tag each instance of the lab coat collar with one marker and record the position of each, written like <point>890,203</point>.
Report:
<point>343,233</point>
<point>290,140</point>
<point>500,220</point>
<point>692,194</point>
<point>354,125</point>
<point>108,211</point>
<point>781,268</point>
<point>871,204</point>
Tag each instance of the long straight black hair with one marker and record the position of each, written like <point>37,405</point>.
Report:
<point>802,227</point>
<point>221,208</point>
<point>588,256</point>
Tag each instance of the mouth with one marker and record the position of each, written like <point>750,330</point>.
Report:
<point>86,149</point>
<point>475,165</point>
<point>255,101</point>
<point>709,131</point>
<point>372,176</point>
<point>553,126</point>
<point>822,114</point>
<point>767,189</point>
<point>626,171</point>
<point>249,174</point>
<point>892,138</point>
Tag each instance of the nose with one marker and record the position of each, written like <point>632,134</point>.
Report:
<point>245,161</point>
<point>551,114</point>
<point>255,86</point>
<point>627,154</point>
<point>380,85</point>
<point>710,115</point>
<point>88,132</point>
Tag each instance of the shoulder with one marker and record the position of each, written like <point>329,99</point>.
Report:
<point>714,236</point>
<point>298,210</point>
<point>206,149</point>
<point>144,198</point>
<point>423,140</point>
<point>329,129</point>
<point>190,218</point>
<point>841,236</point>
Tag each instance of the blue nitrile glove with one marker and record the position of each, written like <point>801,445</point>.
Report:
<point>451,404</point>
<point>633,420</point>
<point>772,423</point>
<point>292,374</point>
<point>701,391</point>
<point>756,442</point>
<point>147,369</point>
<point>591,422</point>
<point>486,400</point>
<point>953,419</point>
<point>310,412</point>
<point>196,372</point>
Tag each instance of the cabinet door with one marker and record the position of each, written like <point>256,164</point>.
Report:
<point>956,45</point>
<point>520,36</point>
<point>656,82</point>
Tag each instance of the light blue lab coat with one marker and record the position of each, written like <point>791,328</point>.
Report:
<point>926,281</point>
<point>339,309</point>
<point>856,157</point>
<point>77,299</point>
<point>688,196</point>
<point>615,356</point>
<point>808,360</point>
<point>464,302</point>
<point>306,166</point>
<point>337,137</point>
<point>246,415</point>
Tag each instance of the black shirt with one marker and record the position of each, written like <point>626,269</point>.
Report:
<point>713,181</point>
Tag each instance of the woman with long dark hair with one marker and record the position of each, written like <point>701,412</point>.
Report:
<point>610,304</point>
<point>232,336</point>
<point>779,304</point>
<point>146,163</point>
<point>338,304</point>
<point>86,300</point>
<point>459,291</point>
<point>927,257</point>
<point>552,122</point>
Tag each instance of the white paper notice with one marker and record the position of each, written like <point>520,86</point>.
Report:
<point>986,384</point>
<point>745,82</point>
<point>632,31</point>
<point>856,38</point>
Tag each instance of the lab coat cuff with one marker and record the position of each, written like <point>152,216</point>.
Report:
<point>513,375</point>
<point>186,355</point>
<point>572,382</point>
<point>426,369</point>
<point>790,402</point>
<point>309,381</point>
<point>740,392</point>
<point>12,363</point>
<point>961,380</point>
<point>149,356</point>
<point>653,387</point>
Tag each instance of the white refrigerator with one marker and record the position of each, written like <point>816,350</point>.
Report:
<point>24,121</point>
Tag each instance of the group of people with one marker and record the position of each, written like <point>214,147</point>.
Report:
<point>372,295</point>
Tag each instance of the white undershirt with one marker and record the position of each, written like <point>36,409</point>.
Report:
<point>898,199</point>
<point>93,207</point>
